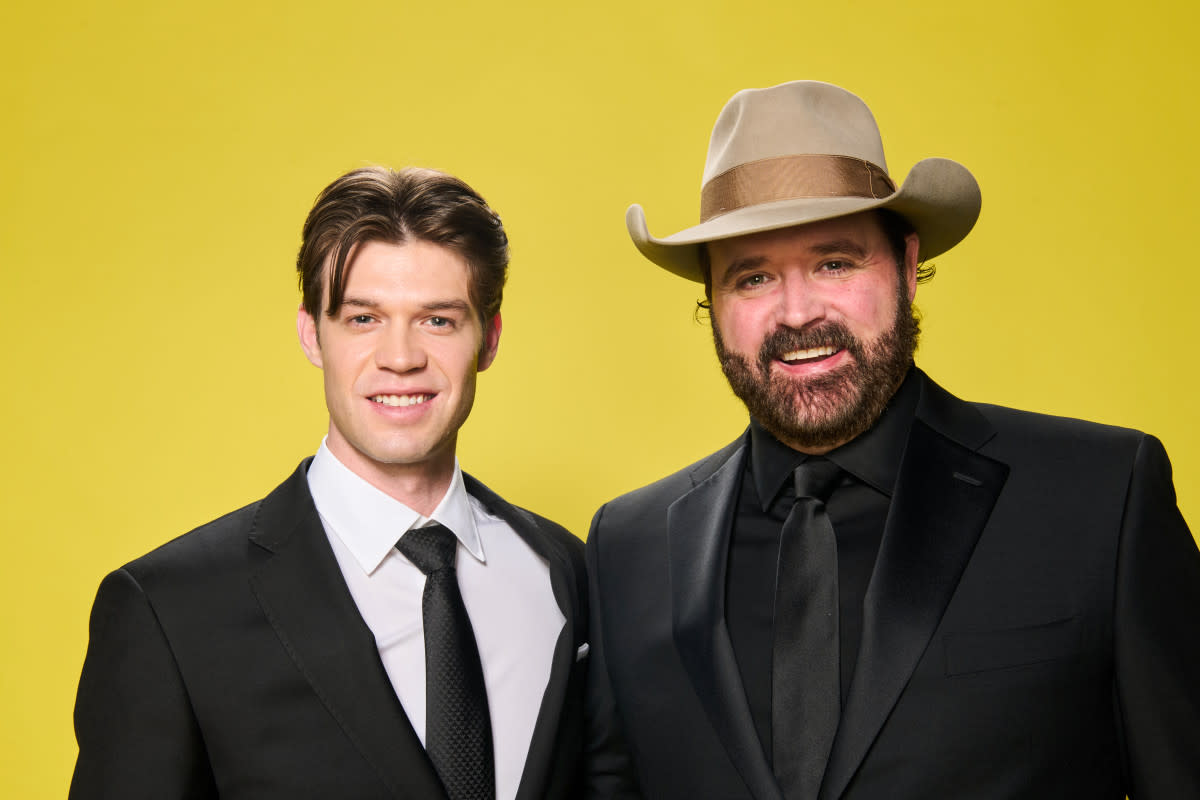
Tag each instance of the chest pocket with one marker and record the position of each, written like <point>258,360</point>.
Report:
<point>983,651</point>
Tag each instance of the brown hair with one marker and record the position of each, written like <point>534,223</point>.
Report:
<point>378,204</point>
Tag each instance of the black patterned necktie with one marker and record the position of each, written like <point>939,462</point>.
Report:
<point>805,691</point>
<point>458,729</point>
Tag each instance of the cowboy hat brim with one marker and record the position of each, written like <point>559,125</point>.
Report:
<point>939,198</point>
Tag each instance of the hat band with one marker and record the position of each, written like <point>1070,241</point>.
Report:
<point>792,178</point>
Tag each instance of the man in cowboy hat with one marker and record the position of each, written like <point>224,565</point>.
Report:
<point>879,590</point>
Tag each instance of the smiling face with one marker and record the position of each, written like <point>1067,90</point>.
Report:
<point>399,359</point>
<point>814,327</point>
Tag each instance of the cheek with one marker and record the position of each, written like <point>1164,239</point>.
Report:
<point>870,309</point>
<point>343,363</point>
<point>336,381</point>
<point>742,326</point>
<point>458,362</point>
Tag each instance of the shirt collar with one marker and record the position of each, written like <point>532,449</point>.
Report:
<point>370,522</point>
<point>873,457</point>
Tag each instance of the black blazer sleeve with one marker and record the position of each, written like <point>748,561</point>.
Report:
<point>1157,636</point>
<point>138,737</point>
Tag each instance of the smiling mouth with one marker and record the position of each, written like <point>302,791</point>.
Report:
<point>398,400</point>
<point>809,356</point>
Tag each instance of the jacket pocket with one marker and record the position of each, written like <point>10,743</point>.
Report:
<point>982,651</point>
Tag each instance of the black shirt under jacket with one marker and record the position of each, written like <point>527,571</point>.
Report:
<point>858,510</point>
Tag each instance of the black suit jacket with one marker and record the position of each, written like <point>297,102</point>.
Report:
<point>1030,628</point>
<point>232,662</point>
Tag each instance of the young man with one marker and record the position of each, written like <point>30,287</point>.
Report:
<point>879,591</point>
<point>382,624</point>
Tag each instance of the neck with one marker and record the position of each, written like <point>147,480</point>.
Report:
<point>420,486</point>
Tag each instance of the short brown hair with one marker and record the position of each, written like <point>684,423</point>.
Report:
<point>378,204</point>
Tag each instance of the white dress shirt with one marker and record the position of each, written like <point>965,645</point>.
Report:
<point>505,587</point>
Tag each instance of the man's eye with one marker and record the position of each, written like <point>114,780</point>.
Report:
<point>835,266</point>
<point>754,280</point>
<point>439,322</point>
<point>360,319</point>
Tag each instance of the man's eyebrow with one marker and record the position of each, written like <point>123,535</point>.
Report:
<point>434,305</point>
<point>847,246</point>
<point>448,305</point>
<point>360,302</point>
<point>740,266</point>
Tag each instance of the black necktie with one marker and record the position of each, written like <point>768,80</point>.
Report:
<point>458,729</point>
<point>805,698</point>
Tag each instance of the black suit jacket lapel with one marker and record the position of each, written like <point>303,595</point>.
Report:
<point>569,593</point>
<point>944,495</point>
<point>304,596</point>
<point>565,582</point>
<point>699,526</point>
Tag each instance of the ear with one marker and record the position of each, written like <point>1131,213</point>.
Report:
<point>491,343</point>
<point>310,343</point>
<point>912,247</point>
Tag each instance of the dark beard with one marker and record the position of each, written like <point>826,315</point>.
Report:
<point>821,413</point>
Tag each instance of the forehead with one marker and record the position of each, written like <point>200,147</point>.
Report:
<point>415,267</point>
<point>862,230</point>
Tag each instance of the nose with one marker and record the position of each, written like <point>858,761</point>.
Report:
<point>800,303</point>
<point>399,349</point>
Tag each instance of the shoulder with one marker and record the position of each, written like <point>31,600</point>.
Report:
<point>1074,459</point>
<point>200,549</point>
<point>228,545</point>
<point>1009,433</point>
<point>550,528</point>
<point>1067,462</point>
<point>656,497</point>
<point>198,573</point>
<point>1061,436</point>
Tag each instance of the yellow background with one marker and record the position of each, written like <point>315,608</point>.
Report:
<point>158,159</point>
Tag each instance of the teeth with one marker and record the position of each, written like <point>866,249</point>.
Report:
<point>400,399</point>
<point>813,352</point>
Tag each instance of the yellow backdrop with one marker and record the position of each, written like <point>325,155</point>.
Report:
<point>158,160</point>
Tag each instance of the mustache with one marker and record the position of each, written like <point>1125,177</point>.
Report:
<point>785,339</point>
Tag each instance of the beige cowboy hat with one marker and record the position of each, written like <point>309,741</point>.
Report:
<point>801,152</point>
